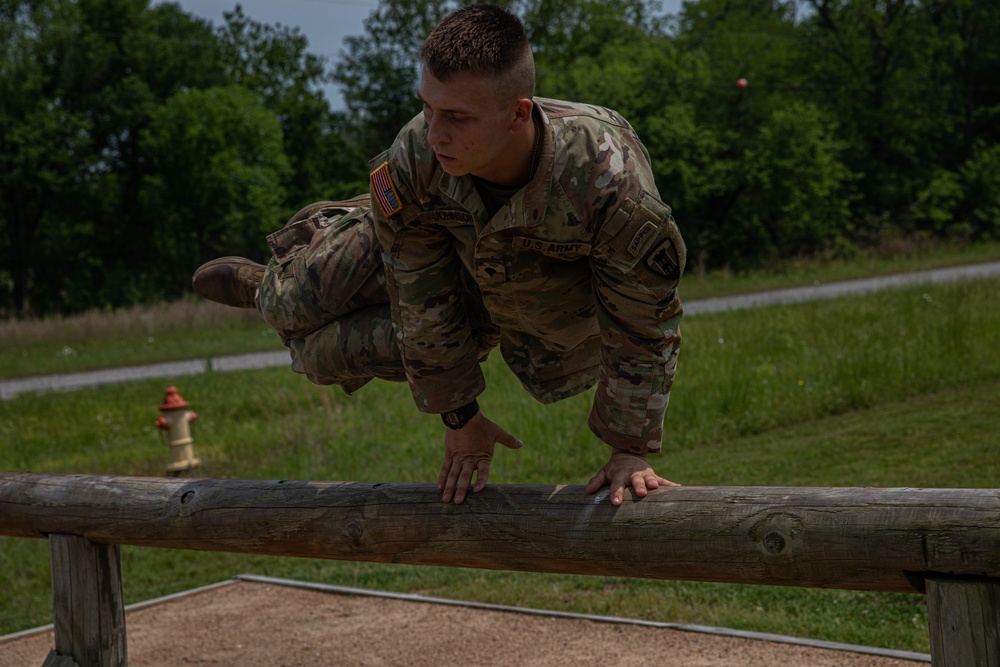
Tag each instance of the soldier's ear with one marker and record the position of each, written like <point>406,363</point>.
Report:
<point>522,114</point>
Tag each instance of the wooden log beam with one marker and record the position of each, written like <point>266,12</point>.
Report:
<point>849,538</point>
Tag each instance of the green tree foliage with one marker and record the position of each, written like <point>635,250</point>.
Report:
<point>215,185</point>
<point>794,197</point>
<point>880,67</point>
<point>602,53</point>
<point>39,142</point>
<point>274,62</point>
<point>981,175</point>
<point>80,80</point>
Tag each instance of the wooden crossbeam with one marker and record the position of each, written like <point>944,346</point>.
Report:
<point>849,538</point>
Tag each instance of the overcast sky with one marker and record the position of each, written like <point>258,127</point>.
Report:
<point>325,23</point>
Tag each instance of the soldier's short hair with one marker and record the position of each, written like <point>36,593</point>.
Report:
<point>483,39</point>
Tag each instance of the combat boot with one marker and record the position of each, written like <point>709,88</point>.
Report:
<point>232,281</point>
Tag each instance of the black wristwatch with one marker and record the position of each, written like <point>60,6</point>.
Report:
<point>456,419</point>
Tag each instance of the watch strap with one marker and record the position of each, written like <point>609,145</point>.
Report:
<point>456,419</point>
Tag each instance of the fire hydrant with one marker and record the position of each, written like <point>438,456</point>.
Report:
<point>174,419</point>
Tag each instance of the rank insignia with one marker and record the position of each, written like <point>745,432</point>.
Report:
<point>384,191</point>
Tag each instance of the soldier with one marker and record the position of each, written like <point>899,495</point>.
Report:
<point>495,219</point>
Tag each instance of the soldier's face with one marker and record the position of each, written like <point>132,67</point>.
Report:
<point>470,130</point>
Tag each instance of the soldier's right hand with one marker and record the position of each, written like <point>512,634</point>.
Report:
<point>469,450</point>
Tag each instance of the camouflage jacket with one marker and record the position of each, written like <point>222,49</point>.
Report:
<point>579,272</point>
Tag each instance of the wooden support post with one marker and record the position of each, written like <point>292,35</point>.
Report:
<point>88,606</point>
<point>964,619</point>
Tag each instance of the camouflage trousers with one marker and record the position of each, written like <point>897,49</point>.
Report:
<point>324,292</point>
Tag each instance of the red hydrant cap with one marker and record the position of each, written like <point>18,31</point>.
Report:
<point>173,400</point>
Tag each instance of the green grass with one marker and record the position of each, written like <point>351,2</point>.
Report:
<point>893,389</point>
<point>167,332</point>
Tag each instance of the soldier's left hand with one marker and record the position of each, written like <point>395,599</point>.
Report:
<point>468,451</point>
<point>624,469</point>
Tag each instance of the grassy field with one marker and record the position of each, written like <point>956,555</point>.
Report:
<point>894,389</point>
<point>183,330</point>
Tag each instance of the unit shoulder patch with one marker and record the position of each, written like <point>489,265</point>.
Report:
<point>664,260</point>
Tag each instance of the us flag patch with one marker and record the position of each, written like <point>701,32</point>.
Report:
<point>384,191</point>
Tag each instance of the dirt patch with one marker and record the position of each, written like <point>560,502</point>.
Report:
<point>262,625</point>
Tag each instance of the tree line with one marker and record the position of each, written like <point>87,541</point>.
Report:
<point>137,141</point>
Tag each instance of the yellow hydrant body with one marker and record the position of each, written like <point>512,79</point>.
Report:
<point>174,419</point>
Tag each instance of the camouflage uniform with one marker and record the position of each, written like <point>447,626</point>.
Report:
<point>578,271</point>
<point>324,292</point>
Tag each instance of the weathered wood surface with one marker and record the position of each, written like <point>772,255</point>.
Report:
<point>88,602</point>
<point>56,660</point>
<point>964,620</point>
<point>851,538</point>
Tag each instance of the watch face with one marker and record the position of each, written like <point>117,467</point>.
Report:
<point>456,419</point>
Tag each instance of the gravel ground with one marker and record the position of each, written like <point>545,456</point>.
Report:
<point>261,625</point>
